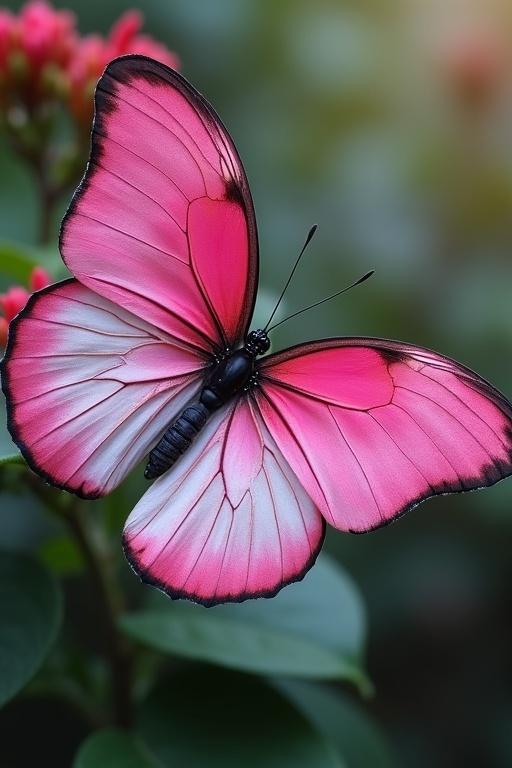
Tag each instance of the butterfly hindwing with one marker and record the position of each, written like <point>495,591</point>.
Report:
<point>373,427</point>
<point>230,520</point>
<point>91,387</point>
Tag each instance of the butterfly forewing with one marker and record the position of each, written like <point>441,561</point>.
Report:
<point>163,222</point>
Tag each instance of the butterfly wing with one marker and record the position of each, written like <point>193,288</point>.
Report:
<point>230,521</point>
<point>163,223</point>
<point>162,238</point>
<point>91,387</point>
<point>373,427</point>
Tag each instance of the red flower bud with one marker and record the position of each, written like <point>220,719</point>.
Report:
<point>46,35</point>
<point>4,328</point>
<point>39,278</point>
<point>93,53</point>
<point>123,32</point>
<point>16,297</point>
<point>13,301</point>
<point>7,22</point>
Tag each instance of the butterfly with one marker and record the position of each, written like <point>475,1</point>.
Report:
<point>148,349</point>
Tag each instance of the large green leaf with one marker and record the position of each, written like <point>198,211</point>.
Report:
<point>114,749</point>
<point>7,448</point>
<point>18,260</point>
<point>30,610</point>
<point>207,717</point>
<point>312,629</point>
<point>12,458</point>
<point>357,738</point>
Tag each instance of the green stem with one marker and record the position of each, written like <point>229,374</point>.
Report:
<point>47,198</point>
<point>117,652</point>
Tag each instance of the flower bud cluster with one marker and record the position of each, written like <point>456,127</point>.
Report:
<point>15,298</point>
<point>43,57</point>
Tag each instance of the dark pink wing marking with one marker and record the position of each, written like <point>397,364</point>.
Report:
<point>90,387</point>
<point>373,427</point>
<point>163,223</point>
<point>230,522</point>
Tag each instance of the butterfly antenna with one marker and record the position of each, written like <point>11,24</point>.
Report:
<point>299,257</point>
<point>322,301</point>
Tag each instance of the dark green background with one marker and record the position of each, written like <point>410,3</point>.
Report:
<point>345,115</point>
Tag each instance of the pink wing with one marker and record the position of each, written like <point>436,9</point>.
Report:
<point>163,223</point>
<point>90,387</point>
<point>373,427</point>
<point>230,521</point>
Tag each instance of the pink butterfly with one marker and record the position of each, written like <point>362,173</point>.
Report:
<point>147,349</point>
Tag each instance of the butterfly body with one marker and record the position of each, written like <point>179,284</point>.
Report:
<point>146,349</point>
<point>233,372</point>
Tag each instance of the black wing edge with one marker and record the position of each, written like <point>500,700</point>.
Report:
<point>7,390</point>
<point>178,594</point>
<point>400,351</point>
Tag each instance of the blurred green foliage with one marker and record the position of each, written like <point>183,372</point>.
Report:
<point>388,124</point>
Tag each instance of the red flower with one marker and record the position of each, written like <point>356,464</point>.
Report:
<point>93,54</point>
<point>39,278</point>
<point>6,36</point>
<point>46,36</point>
<point>42,55</point>
<point>13,301</point>
<point>124,38</point>
<point>4,329</point>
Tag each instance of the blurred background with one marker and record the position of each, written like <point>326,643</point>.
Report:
<point>389,124</point>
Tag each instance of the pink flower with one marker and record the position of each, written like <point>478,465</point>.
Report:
<point>4,329</point>
<point>42,56</point>
<point>124,38</point>
<point>93,54</point>
<point>39,278</point>
<point>15,298</point>
<point>6,36</point>
<point>13,301</point>
<point>46,35</point>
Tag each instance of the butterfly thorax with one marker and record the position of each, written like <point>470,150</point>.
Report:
<point>232,373</point>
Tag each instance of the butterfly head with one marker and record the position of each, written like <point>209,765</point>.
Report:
<point>257,342</point>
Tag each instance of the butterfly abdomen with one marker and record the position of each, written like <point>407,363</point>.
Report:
<point>229,376</point>
<point>176,439</point>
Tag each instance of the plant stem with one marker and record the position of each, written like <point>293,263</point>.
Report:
<point>47,200</point>
<point>116,650</point>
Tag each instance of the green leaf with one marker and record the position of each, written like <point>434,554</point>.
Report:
<point>358,739</point>
<point>49,257</point>
<point>207,717</point>
<point>7,447</point>
<point>13,458</point>
<point>31,610</point>
<point>62,555</point>
<point>115,749</point>
<point>17,262</point>
<point>237,645</point>
<point>312,629</point>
